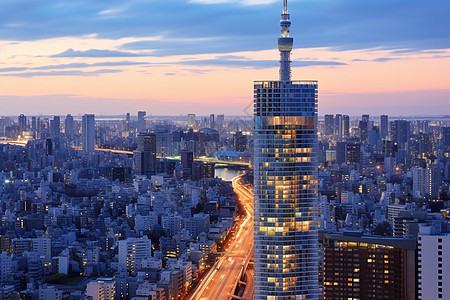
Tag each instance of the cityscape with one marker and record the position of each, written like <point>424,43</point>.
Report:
<point>217,197</point>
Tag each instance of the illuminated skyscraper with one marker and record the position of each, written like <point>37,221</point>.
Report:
<point>285,182</point>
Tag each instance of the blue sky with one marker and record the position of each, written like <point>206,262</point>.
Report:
<point>224,28</point>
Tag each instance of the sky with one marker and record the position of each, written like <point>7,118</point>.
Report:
<point>173,57</point>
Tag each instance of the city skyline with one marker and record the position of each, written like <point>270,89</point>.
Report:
<point>126,56</point>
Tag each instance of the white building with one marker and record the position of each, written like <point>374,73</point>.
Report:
<point>132,251</point>
<point>101,289</point>
<point>433,265</point>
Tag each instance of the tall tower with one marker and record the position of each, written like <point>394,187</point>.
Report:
<point>88,133</point>
<point>285,182</point>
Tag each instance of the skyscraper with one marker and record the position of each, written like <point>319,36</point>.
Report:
<point>141,121</point>
<point>55,127</point>
<point>22,124</point>
<point>145,154</point>
<point>384,129</point>
<point>329,124</point>
<point>88,133</point>
<point>345,126</point>
<point>211,121</point>
<point>69,128</point>
<point>191,120</point>
<point>285,182</point>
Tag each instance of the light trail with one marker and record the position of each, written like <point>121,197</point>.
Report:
<point>221,281</point>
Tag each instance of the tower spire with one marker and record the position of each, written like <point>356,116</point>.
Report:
<point>285,45</point>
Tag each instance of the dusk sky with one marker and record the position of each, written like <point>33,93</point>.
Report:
<point>173,57</point>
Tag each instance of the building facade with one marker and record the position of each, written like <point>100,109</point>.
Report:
<point>368,267</point>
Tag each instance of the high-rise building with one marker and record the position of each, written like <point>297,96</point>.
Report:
<point>191,120</point>
<point>240,142</point>
<point>345,126</point>
<point>55,127</point>
<point>22,124</point>
<point>88,133</point>
<point>34,126</point>
<point>360,267</point>
<point>363,130</point>
<point>384,126</point>
<point>141,121</point>
<point>433,264</point>
<point>329,124</point>
<point>432,181</point>
<point>69,127</point>
<point>446,138</point>
<point>212,124</point>
<point>285,182</point>
<point>145,155</point>
<point>338,125</point>
<point>365,118</point>
<point>400,132</point>
<point>101,289</point>
<point>220,120</point>
<point>353,154</point>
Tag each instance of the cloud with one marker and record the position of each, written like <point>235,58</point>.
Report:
<point>61,73</point>
<point>95,53</point>
<point>71,66</point>
<point>257,64</point>
<point>235,24</point>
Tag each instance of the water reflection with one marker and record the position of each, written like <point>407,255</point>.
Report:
<point>227,173</point>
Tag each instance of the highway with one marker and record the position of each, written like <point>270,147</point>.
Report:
<point>222,279</point>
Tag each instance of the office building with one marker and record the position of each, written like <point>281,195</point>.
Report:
<point>363,130</point>
<point>432,181</point>
<point>338,125</point>
<point>22,124</point>
<point>191,120</point>
<point>329,124</point>
<point>384,126</point>
<point>145,155</point>
<point>345,126</point>
<point>240,142</point>
<point>368,267</point>
<point>69,127</point>
<point>400,131</point>
<point>285,182</point>
<point>365,118</point>
<point>55,127</point>
<point>353,154</point>
<point>88,133</point>
<point>141,121</point>
<point>212,124</point>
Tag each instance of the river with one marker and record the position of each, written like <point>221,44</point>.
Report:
<point>227,174</point>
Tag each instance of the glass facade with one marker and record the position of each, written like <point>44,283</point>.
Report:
<point>285,190</point>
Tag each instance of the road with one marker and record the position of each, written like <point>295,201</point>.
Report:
<point>221,281</point>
